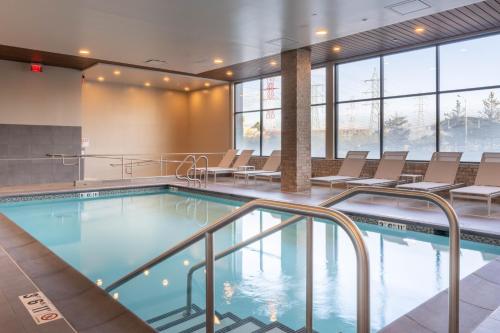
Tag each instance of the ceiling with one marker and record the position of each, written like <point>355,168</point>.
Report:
<point>187,35</point>
<point>140,77</point>
<point>475,19</point>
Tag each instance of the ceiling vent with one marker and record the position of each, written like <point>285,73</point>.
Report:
<point>155,62</point>
<point>408,7</point>
<point>284,43</point>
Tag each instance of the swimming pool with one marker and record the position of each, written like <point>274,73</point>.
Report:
<point>107,237</point>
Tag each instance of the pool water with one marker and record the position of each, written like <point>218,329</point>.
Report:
<point>105,238</point>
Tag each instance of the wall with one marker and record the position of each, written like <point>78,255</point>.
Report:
<point>49,98</point>
<point>121,119</point>
<point>210,121</point>
<point>40,113</point>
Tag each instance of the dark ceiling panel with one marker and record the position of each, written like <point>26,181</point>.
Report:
<point>482,17</point>
<point>46,58</point>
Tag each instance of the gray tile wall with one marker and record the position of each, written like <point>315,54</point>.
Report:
<point>31,141</point>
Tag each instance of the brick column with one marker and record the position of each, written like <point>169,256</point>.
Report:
<point>296,120</point>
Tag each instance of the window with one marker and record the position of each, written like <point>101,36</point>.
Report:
<point>468,100</point>
<point>359,80</point>
<point>470,122</point>
<point>358,109</point>
<point>410,124</point>
<point>410,73</point>
<point>257,119</point>
<point>318,112</point>
<point>469,109</point>
<point>247,124</point>
<point>359,128</point>
<point>470,64</point>
<point>258,114</point>
<point>271,116</point>
<point>247,96</point>
<point>247,131</point>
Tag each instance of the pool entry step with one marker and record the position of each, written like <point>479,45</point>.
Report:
<point>177,321</point>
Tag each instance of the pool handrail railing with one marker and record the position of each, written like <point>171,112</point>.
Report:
<point>454,268</point>
<point>331,216</point>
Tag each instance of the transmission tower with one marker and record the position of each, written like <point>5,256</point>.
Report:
<point>374,84</point>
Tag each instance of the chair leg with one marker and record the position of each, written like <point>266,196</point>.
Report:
<point>489,206</point>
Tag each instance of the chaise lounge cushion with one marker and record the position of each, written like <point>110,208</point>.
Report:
<point>478,190</point>
<point>329,179</point>
<point>372,181</point>
<point>425,186</point>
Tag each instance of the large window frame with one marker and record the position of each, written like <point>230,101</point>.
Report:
<point>262,110</point>
<point>437,92</point>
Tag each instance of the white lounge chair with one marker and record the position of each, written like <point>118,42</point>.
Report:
<point>349,170</point>
<point>388,171</point>
<point>487,183</point>
<point>240,162</point>
<point>440,174</point>
<point>272,164</point>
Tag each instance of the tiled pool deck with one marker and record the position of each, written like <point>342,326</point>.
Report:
<point>29,266</point>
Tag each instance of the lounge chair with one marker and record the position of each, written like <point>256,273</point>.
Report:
<point>487,183</point>
<point>349,170</point>
<point>388,171</point>
<point>440,174</point>
<point>272,164</point>
<point>240,162</point>
<point>270,176</point>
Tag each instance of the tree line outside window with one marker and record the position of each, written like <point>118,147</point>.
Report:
<point>440,98</point>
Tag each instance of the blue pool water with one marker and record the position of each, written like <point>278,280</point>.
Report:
<point>106,238</point>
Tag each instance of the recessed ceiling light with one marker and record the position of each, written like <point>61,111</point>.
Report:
<point>273,63</point>
<point>336,48</point>
<point>166,79</point>
<point>117,72</point>
<point>218,61</point>
<point>100,78</point>
<point>84,52</point>
<point>186,88</point>
<point>229,73</point>
<point>321,32</point>
<point>147,84</point>
<point>419,30</point>
<point>207,84</point>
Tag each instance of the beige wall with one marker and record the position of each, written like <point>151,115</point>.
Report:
<point>49,98</point>
<point>121,119</point>
<point>210,120</point>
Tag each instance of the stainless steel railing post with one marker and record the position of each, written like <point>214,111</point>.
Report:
<point>123,168</point>
<point>309,275</point>
<point>454,237</point>
<point>209,283</point>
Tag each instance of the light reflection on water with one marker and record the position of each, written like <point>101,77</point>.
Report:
<point>107,238</point>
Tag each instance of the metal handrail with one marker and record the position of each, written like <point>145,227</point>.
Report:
<point>193,166</point>
<point>454,237</point>
<point>384,191</point>
<point>363,276</point>
<point>205,168</point>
